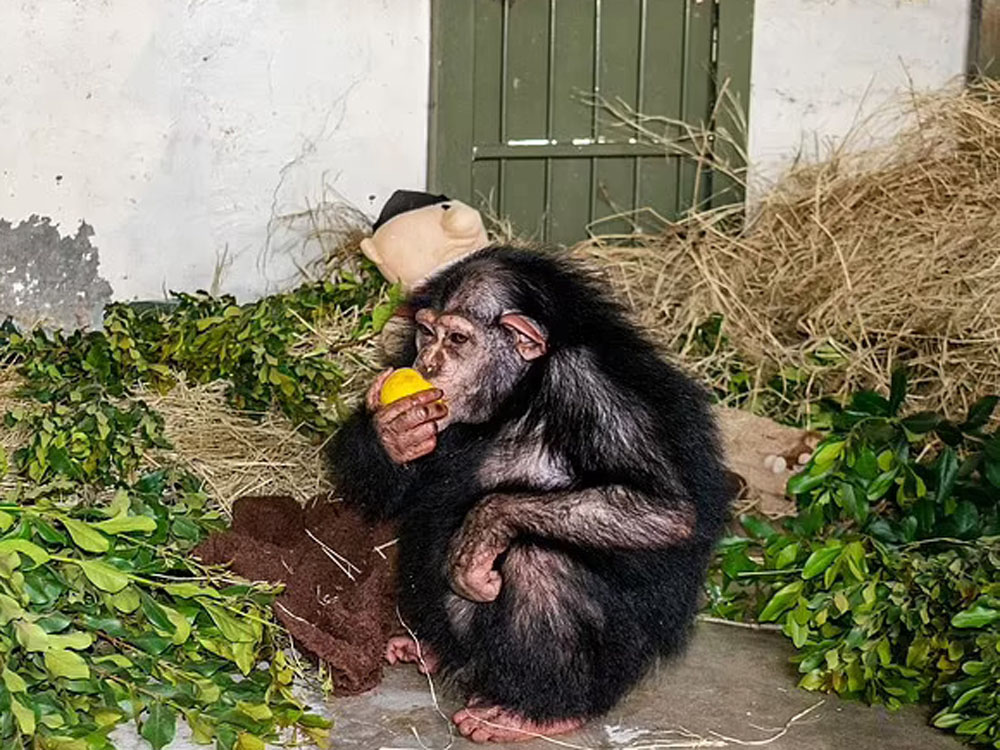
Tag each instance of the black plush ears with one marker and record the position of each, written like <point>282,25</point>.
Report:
<point>402,201</point>
<point>530,341</point>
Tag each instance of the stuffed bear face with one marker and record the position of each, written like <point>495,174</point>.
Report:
<point>414,245</point>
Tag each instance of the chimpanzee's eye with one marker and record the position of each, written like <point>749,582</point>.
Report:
<point>425,329</point>
<point>457,338</point>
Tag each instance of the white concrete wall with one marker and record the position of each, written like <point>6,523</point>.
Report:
<point>821,66</point>
<point>181,128</point>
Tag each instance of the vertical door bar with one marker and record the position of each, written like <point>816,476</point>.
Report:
<point>640,101</point>
<point>450,128</point>
<point>592,213</point>
<point>550,108</point>
<point>735,35</point>
<point>501,180</point>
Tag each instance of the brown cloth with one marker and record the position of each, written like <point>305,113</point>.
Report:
<point>343,620</point>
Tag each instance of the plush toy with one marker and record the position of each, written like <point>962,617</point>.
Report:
<point>415,236</point>
<point>418,234</point>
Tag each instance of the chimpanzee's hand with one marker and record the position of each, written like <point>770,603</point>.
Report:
<point>406,428</point>
<point>483,537</point>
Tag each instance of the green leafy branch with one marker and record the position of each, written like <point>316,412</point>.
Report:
<point>886,579</point>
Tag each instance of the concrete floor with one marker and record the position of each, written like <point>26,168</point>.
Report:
<point>734,688</point>
<point>732,681</point>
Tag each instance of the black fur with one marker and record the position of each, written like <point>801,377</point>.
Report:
<point>614,609</point>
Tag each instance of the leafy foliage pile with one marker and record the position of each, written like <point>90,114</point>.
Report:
<point>104,618</point>
<point>887,581</point>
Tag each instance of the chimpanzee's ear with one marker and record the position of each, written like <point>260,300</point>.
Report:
<point>529,338</point>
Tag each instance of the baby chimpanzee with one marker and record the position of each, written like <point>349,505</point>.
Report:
<point>557,510</point>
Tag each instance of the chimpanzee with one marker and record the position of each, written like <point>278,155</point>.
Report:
<point>558,493</point>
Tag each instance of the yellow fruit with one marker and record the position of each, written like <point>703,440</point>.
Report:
<point>402,383</point>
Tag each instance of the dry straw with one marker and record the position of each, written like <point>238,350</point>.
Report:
<point>848,267</point>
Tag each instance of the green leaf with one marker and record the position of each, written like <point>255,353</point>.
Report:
<point>189,590</point>
<point>757,527</point>
<point>77,640</point>
<point>247,741</point>
<point>869,402</point>
<point>63,663</point>
<point>13,681</point>
<point>104,576</point>
<point>117,659</point>
<point>828,453</point>
<point>820,560</point>
<point>799,633</point>
<point>38,555</point>
<point>881,485</point>
<point>922,422</point>
<point>967,696</point>
<point>151,643</point>
<point>787,557</point>
<point>256,711</point>
<point>184,528</point>
<point>897,390</point>
<point>992,448</point>
<point>854,503</point>
<point>126,600</point>
<point>947,473</point>
<point>124,524</point>
<point>25,717</point>
<point>784,598</point>
<point>6,521</point>
<point>947,721</point>
<point>9,609</point>
<point>232,629</point>
<point>854,555</point>
<point>949,433</point>
<point>120,504</point>
<point>975,617</point>
<point>32,637</point>
<point>976,725</point>
<point>992,471</point>
<point>156,614</point>
<point>244,656</point>
<point>980,413</point>
<point>160,725</point>
<point>55,622</point>
<point>85,537</point>
<point>182,628</point>
<point>315,721</point>
<point>965,520</point>
<point>917,653</point>
<point>804,481</point>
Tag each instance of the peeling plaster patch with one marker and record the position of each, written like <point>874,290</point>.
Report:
<point>50,280</point>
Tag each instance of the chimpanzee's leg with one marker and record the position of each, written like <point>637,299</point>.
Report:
<point>549,653</point>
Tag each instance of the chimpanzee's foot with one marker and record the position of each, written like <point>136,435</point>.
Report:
<point>495,724</point>
<point>402,648</point>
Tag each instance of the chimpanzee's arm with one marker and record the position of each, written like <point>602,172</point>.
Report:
<point>612,517</point>
<point>364,473</point>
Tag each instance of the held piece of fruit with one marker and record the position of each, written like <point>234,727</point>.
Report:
<point>402,383</point>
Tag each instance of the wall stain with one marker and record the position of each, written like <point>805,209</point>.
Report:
<point>49,280</point>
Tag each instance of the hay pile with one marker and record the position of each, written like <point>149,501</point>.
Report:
<point>849,267</point>
<point>233,453</point>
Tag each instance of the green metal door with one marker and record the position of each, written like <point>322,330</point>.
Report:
<point>513,126</point>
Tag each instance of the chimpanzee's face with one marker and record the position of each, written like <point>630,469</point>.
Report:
<point>475,363</point>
